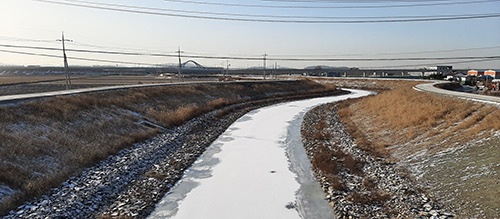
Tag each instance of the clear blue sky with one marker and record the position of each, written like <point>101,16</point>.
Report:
<point>22,21</point>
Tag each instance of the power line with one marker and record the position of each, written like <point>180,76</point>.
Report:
<point>73,42</point>
<point>435,63</point>
<point>328,6</point>
<point>18,39</point>
<point>360,1</point>
<point>384,59</point>
<point>401,53</point>
<point>77,58</point>
<point>268,16</point>
<point>128,53</point>
<point>156,65</point>
<point>156,53</point>
<point>82,44</point>
<point>385,20</point>
<point>355,1</point>
<point>259,58</point>
<point>89,51</point>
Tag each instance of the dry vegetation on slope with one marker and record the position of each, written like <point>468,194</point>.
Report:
<point>450,144</point>
<point>423,121</point>
<point>43,142</point>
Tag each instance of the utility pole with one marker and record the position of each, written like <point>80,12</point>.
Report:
<point>265,58</point>
<point>227,70</point>
<point>222,67</point>
<point>66,67</point>
<point>180,63</point>
<point>275,70</point>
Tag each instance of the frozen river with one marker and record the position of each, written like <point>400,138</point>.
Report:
<point>258,168</point>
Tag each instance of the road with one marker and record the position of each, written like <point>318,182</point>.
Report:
<point>18,97</point>
<point>8,98</point>
<point>429,87</point>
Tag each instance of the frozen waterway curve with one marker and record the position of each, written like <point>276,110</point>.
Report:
<point>253,170</point>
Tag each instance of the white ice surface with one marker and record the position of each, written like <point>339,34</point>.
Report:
<point>245,173</point>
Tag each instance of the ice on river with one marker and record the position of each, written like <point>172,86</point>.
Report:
<point>256,169</point>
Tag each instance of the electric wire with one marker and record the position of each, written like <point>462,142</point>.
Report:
<point>18,39</point>
<point>386,20</point>
<point>257,58</point>
<point>355,1</point>
<point>77,58</point>
<point>328,6</point>
<point>264,15</point>
<point>136,51</point>
<point>158,65</point>
<point>73,42</point>
<point>129,53</point>
<point>432,64</point>
<point>400,53</point>
<point>122,49</point>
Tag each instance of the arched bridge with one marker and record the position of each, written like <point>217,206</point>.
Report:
<point>192,64</point>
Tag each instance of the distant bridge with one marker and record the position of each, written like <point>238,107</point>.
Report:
<point>196,64</point>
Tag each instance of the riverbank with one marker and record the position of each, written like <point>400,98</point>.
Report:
<point>358,184</point>
<point>131,181</point>
<point>449,145</point>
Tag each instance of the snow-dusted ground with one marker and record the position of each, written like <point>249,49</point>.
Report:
<point>256,169</point>
<point>5,191</point>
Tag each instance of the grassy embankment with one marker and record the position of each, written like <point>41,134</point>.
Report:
<point>423,121</point>
<point>449,143</point>
<point>43,142</point>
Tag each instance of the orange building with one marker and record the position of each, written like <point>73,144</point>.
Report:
<point>492,73</point>
<point>472,73</point>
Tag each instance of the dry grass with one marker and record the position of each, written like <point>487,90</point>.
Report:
<point>321,134</point>
<point>400,123</point>
<point>43,142</point>
<point>418,117</point>
<point>181,114</point>
<point>375,197</point>
<point>329,159</point>
<point>333,163</point>
<point>325,160</point>
<point>403,124</point>
<point>367,84</point>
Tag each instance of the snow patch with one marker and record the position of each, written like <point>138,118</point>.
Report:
<point>5,191</point>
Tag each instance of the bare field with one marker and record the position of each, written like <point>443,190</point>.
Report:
<point>10,85</point>
<point>123,80</point>
<point>96,80</point>
<point>449,144</point>
<point>5,80</point>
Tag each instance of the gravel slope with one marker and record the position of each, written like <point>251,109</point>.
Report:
<point>377,190</point>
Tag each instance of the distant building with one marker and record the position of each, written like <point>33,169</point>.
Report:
<point>492,73</point>
<point>473,73</point>
<point>444,70</point>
